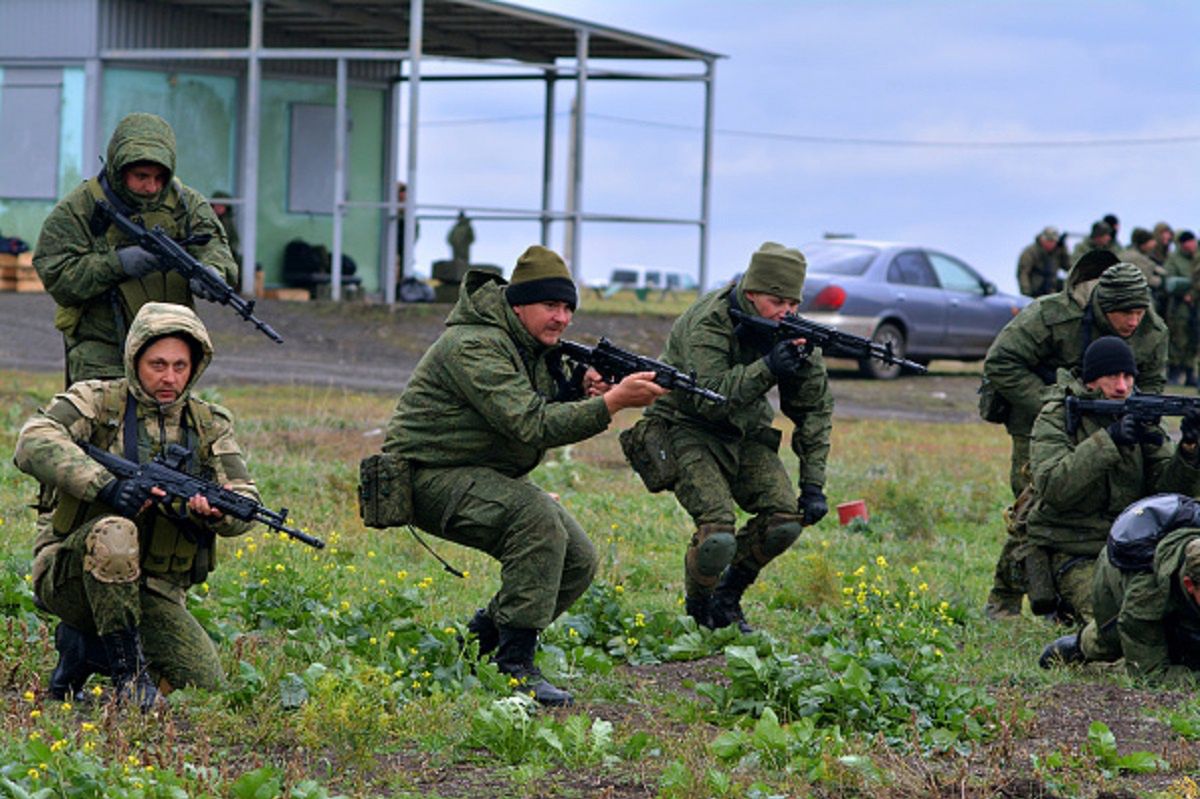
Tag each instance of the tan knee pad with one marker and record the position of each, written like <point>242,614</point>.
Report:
<point>772,536</point>
<point>711,550</point>
<point>112,551</point>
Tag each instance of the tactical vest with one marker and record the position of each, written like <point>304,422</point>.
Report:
<point>168,542</point>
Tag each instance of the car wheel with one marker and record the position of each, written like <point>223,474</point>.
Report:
<point>887,333</point>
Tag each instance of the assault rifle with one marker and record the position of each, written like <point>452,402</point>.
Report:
<point>166,472</point>
<point>832,342</point>
<point>614,363</point>
<point>173,256</point>
<point>1146,408</point>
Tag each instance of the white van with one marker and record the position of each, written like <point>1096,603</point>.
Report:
<point>649,277</point>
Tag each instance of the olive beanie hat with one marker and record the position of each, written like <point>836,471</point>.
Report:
<point>541,275</point>
<point>775,269</point>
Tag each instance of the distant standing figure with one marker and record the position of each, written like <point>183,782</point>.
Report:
<point>1183,291</point>
<point>1139,253</point>
<point>1163,236</point>
<point>1115,224</point>
<point>1042,265</point>
<point>460,238</point>
<point>224,212</point>
<point>1101,238</point>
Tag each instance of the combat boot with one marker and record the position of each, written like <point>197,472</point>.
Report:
<point>700,609</point>
<point>80,655</point>
<point>514,657</point>
<point>485,631</point>
<point>1062,652</point>
<point>130,677</point>
<point>727,599</point>
<point>1002,605</point>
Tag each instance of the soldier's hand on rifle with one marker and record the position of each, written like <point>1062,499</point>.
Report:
<point>199,506</point>
<point>137,262</point>
<point>200,289</point>
<point>634,391</point>
<point>593,383</point>
<point>812,504</point>
<point>1124,431</point>
<point>129,497</point>
<point>786,359</point>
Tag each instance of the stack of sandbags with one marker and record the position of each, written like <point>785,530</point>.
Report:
<point>449,275</point>
<point>17,273</point>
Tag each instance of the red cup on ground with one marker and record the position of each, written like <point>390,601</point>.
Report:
<point>856,509</point>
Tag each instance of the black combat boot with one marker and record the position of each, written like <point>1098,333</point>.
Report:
<point>699,608</point>
<point>726,605</point>
<point>1062,652</point>
<point>485,631</point>
<point>128,668</point>
<point>514,657</point>
<point>80,655</point>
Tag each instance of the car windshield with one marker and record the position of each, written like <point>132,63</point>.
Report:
<point>837,258</point>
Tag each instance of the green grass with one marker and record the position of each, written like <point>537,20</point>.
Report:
<point>874,674</point>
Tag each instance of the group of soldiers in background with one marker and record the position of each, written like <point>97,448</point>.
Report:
<point>1167,260</point>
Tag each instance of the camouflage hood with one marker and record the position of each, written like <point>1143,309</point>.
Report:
<point>1086,272</point>
<point>140,137</point>
<point>481,302</point>
<point>156,319</point>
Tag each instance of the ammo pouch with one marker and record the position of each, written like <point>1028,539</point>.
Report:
<point>646,448</point>
<point>385,491</point>
<point>992,406</point>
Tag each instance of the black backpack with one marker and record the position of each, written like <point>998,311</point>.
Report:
<point>1135,534</point>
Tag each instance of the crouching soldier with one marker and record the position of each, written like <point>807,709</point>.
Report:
<point>116,563</point>
<point>1146,595</point>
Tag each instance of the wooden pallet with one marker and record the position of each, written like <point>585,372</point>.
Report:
<point>17,273</point>
<point>289,294</point>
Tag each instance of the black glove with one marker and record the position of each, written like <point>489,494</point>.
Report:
<point>137,262</point>
<point>812,503</point>
<point>200,290</point>
<point>1124,431</point>
<point>126,497</point>
<point>1190,427</point>
<point>785,360</point>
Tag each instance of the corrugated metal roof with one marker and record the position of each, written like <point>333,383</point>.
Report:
<point>476,29</point>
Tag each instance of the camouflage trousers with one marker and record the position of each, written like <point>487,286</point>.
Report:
<point>1008,578</point>
<point>712,475</point>
<point>177,648</point>
<point>546,559</point>
<point>1073,576</point>
<point>1100,639</point>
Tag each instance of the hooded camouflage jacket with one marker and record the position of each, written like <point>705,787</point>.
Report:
<point>703,340</point>
<point>94,410</point>
<point>484,394</point>
<point>1082,480</point>
<point>1037,270</point>
<point>76,254</point>
<point>1051,333</point>
<point>1157,623</point>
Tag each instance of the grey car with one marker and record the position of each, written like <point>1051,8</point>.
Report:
<point>926,303</point>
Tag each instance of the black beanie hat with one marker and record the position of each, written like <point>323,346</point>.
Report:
<point>1108,355</point>
<point>541,275</point>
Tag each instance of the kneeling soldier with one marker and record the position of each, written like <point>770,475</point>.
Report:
<point>116,563</point>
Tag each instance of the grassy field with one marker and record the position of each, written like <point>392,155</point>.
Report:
<point>873,673</point>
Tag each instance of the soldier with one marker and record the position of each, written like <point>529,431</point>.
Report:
<point>1043,264</point>
<point>1115,224</point>
<point>1051,333</point>
<point>97,280</point>
<point>460,238</point>
<point>1182,293</point>
<point>1101,238</point>
<point>1085,474</point>
<point>486,401</point>
<point>726,454</point>
<point>224,212</point>
<point>1147,613</point>
<point>1141,248</point>
<point>116,564</point>
<point>1163,236</point>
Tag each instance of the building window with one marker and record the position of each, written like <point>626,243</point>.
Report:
<point>30,123</point>
<point>310,158</point>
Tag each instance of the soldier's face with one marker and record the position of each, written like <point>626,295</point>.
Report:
<point>1125,323</point>
<point>769,306</point>
<point>1114,387</point>
<point>164,369</point>
<point>145,179</point>
<point>545,321</point>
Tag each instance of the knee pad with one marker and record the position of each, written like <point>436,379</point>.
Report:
<point>772,538</point>
<point>112,551</point>
<point>712,549</point>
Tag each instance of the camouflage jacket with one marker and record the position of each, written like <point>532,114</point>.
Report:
<point>1183,280</point>
<point>1051,333</point>
<point>1153,271</point>
<point>703,341</point>
<point>485,393</point>
<point>76,253</point>
<point>1157,623</point>
<point>1088,244</point>
<point>94,411</point>
<point>1082,480</point>
<point>1037,270</point>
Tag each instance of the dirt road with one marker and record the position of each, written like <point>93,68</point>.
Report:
<point>372,348</point>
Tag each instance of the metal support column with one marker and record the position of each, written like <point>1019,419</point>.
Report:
<point>706,172</point>
<point>416,29</point>
<point>548,156</point>
<point>387,259</point>
<point>339,181</point>
<point>93,145</point>
<point>574,257</point>
<point>251,120</point>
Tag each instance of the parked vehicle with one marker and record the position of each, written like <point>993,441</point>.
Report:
<point>649,277</point>
<point>926,303</point>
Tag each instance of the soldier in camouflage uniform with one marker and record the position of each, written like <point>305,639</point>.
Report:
<point>1101,238</point>
<point>90,269</point>
<point>1182,283</point>
<point>1151,618</point>
<point>1041,263</point>
<point>116,563</point>
<point>486,401</point>
<point>726,454</point>
<point>1051,333</point>
<point>1084,478</point>
<point>460,238</point>
<point>1139,253</point>
<point>1163,236</point>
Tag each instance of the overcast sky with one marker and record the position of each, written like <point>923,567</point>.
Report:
<point>909,73</point>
